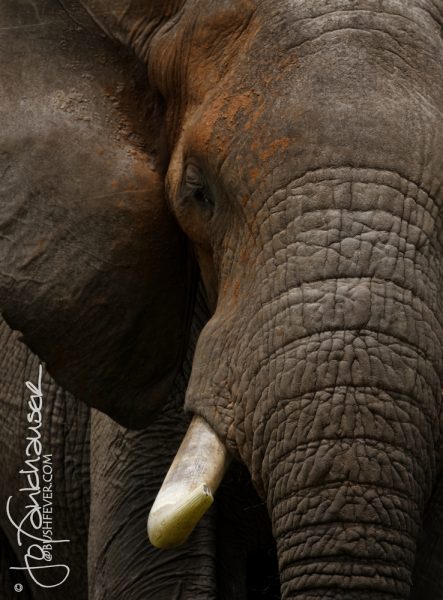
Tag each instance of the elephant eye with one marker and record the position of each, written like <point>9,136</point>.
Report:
<point>202,197</point>
<point>195,188</point>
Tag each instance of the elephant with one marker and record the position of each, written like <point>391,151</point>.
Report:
<point>234,207</point>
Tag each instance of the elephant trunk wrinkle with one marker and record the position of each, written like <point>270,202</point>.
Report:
<point>337,528</point>
<point>346,488</point>
<point>344,444</point>
<point>342,435</point>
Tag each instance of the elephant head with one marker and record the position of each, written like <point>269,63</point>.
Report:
<point>299,148</point>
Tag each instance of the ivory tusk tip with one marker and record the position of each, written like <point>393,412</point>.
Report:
<point>187,490</point>
<point>171,524</point>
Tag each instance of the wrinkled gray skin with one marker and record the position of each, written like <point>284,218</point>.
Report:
<point>299,147</point>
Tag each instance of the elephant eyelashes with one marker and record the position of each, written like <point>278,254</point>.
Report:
<point>194,188</point>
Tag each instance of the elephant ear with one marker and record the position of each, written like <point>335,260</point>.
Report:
<point>93,270</point>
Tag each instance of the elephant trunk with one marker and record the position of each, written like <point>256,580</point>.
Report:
<point>344,430</point>
<point>345,498</point>
<point>350,451</point>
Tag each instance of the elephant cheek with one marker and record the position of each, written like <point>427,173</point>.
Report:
<point>208,274</point>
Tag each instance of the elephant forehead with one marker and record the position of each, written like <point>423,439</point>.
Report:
<point>324,109</point>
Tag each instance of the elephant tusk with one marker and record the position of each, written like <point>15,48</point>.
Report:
<point>188,488</point>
